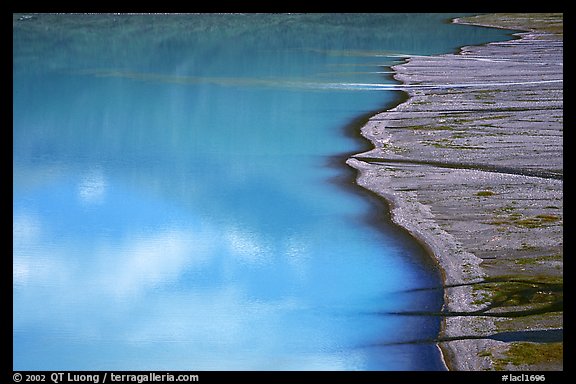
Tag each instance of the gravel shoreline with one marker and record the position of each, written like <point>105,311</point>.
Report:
<point>474,171</point>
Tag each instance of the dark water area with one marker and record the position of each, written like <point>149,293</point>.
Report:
<point>180,200</point>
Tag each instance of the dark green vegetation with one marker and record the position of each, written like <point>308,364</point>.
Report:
<point>530,354</point>
<point>531,294</point>
<point>484,193</point>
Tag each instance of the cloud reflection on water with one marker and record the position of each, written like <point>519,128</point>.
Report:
<point>174,211</point>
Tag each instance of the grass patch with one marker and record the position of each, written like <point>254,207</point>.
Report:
<point>527,261</point>
<point>530,354</point>
<point>537,221</point>
<point>508,208</point>
<point>547,22</point>
<point>527,247</point>
<point>525,291</point>
<point>548,217</point>
<point>485,193</point>
<point>537,260</point>
<point>484,354</point>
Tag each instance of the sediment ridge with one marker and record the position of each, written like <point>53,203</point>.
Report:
<point>475,172</point>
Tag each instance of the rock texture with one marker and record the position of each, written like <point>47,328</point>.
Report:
<point>472,165</point>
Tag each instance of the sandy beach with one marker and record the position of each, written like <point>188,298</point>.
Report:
<point>472,166</point>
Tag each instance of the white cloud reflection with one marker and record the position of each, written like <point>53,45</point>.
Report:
<point>296,249</point>
<point>25,227</point>
<point>151,259</point>
<point>92,187</point>
<point>136,289</point>
<point>247,246</point>
<point>26,232</point>
<point>116,294</point>
<point>142,261</point>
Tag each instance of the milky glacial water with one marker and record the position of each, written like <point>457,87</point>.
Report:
<point>181,202</point>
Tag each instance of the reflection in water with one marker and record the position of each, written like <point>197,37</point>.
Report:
<point>172,208</point>
<point>92,187</point>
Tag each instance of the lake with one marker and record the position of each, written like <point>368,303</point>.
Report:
<point>181,201</point>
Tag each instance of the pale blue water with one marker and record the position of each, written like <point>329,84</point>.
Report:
<point>179,198</point>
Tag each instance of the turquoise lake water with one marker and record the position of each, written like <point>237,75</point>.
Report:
<point>181,201</point>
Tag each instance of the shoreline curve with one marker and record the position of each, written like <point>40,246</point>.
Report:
<point>495,235</point>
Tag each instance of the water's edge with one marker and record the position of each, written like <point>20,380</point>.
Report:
<point>404,212</point>
<point>280,257</point>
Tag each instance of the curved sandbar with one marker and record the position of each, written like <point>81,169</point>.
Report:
<point>475,173</point>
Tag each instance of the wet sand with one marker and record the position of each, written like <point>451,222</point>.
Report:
<point>472,166</point>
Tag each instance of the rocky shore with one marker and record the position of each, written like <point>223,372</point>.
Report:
<point>472,166</point>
